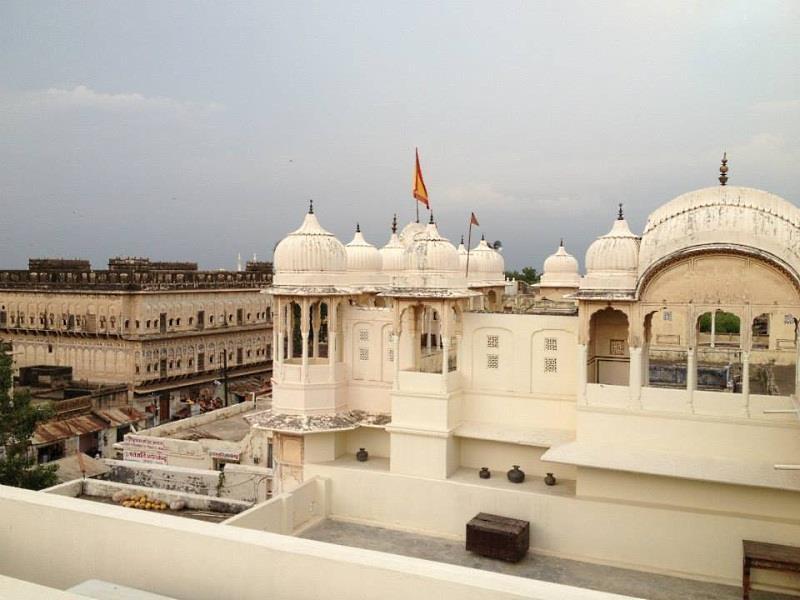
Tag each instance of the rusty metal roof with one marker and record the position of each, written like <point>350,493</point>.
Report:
<point>98,420</point>
<point>52,431</point>
<point>121,415</point>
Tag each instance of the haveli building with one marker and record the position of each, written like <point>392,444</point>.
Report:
<point>670,439</point>
<point>166,329</point>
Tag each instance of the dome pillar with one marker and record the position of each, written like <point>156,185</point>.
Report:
<point>304,326</point>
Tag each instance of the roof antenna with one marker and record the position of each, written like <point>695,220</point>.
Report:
<point>394,223</point>
<point>620,217</point>
<point>311,207</point>
<point>723,170</point>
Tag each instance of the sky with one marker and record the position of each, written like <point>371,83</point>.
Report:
<point>199,130</point>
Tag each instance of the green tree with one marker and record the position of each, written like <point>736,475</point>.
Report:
<point>18,420</point>
<point>528,275</point>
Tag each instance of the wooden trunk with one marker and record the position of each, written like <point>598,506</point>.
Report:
<point>498,537</point>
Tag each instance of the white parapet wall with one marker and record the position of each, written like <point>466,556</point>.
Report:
<point>238,482</point>
<point>175,557</point>
<point>698,544</point>
<point>290,512</point>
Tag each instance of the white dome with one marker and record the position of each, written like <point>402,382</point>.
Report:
<point>361,255</point>
<point>612,260</point>
<point>728,215</point>
<point>486,265</point>
<point>462,255</point>
<point>393,253</point>
<point>308,251</point>
<point>560,270</point>
<point>431,252</point>
<point>411,232</point>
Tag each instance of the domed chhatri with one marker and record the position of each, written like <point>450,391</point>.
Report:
<point>361,255</point>
<point>560,270</point>
<point>393,253</point>
<point>430,251</point>
<point>485,264</point>
<point>613,259</point>
<point>308,254</point>
<point>722,216</point>
<point>462,255</point>
<point>411,232</point>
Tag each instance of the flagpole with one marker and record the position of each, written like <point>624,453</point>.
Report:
<point>416,203</point>
<point>469,245</point>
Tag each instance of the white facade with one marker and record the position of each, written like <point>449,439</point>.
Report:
<point>420,367</point>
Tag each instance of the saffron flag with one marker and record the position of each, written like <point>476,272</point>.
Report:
<point>420,191</point>
<point>473,220</point>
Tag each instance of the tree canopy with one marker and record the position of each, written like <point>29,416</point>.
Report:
<point>528,275</point>
<point>18,420</point>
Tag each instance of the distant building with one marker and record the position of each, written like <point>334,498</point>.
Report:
<point>165,329</point>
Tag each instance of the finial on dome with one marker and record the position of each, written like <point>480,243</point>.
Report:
<point>431,219</point>
<point>462,240</point>
<point>620,216</point>
<point>723,170</point>
<point>394,223</point>
<point>483,237</point>
<point>358,228</point>
<point>561,243</point>
<point>311,207</point>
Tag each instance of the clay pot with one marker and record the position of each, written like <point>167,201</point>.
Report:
<point>362,455</point>
<point>549,479</point>
<point>484,473</point>
<point>516,475</point>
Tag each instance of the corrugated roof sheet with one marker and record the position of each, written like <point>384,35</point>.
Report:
<point>75,466</point>
<point>121,415</point>
<point>53,431</point>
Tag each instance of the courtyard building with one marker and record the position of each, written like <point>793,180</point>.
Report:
<point>176,336</point>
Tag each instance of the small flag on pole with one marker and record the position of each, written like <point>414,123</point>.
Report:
<point>420,191</point>
<point>473,220</point>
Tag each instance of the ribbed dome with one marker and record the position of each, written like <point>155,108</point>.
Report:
<point>411,232</point>
<point>723,215</point>
<point>431,252</point>
<point>361,255</point>
<point>486,260</point>
<point>462,255</point>
<point>560,270</point>
<point>309,249</point>
<point>393,255</point>
<point>618,250</point>
<point>612,260</point>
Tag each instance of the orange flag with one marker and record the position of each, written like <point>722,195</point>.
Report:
<point>420,191</point>
<point>473,220</point>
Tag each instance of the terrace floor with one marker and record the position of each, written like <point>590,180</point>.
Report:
<point>638,584</point>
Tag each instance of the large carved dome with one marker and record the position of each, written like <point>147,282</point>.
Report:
<point>307,254</point>
<point>722,217</point>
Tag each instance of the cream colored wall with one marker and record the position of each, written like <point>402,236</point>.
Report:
<point>115,359</point>
<point>748,440</point>
<point>684,493</point>
<point>259,564</point>
<point>288,512</point>
<point>689,543</point>
<point>374,440</point>
<point>500,457</point>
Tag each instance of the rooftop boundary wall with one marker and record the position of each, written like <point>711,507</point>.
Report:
<point>290,512</point>
<point>696,544</point>
<point>238,482</point>
<point>174,556</point>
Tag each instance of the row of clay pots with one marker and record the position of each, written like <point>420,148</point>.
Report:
<point>515,475</point>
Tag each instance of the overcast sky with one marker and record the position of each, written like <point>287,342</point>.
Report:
<point>194,131</point>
